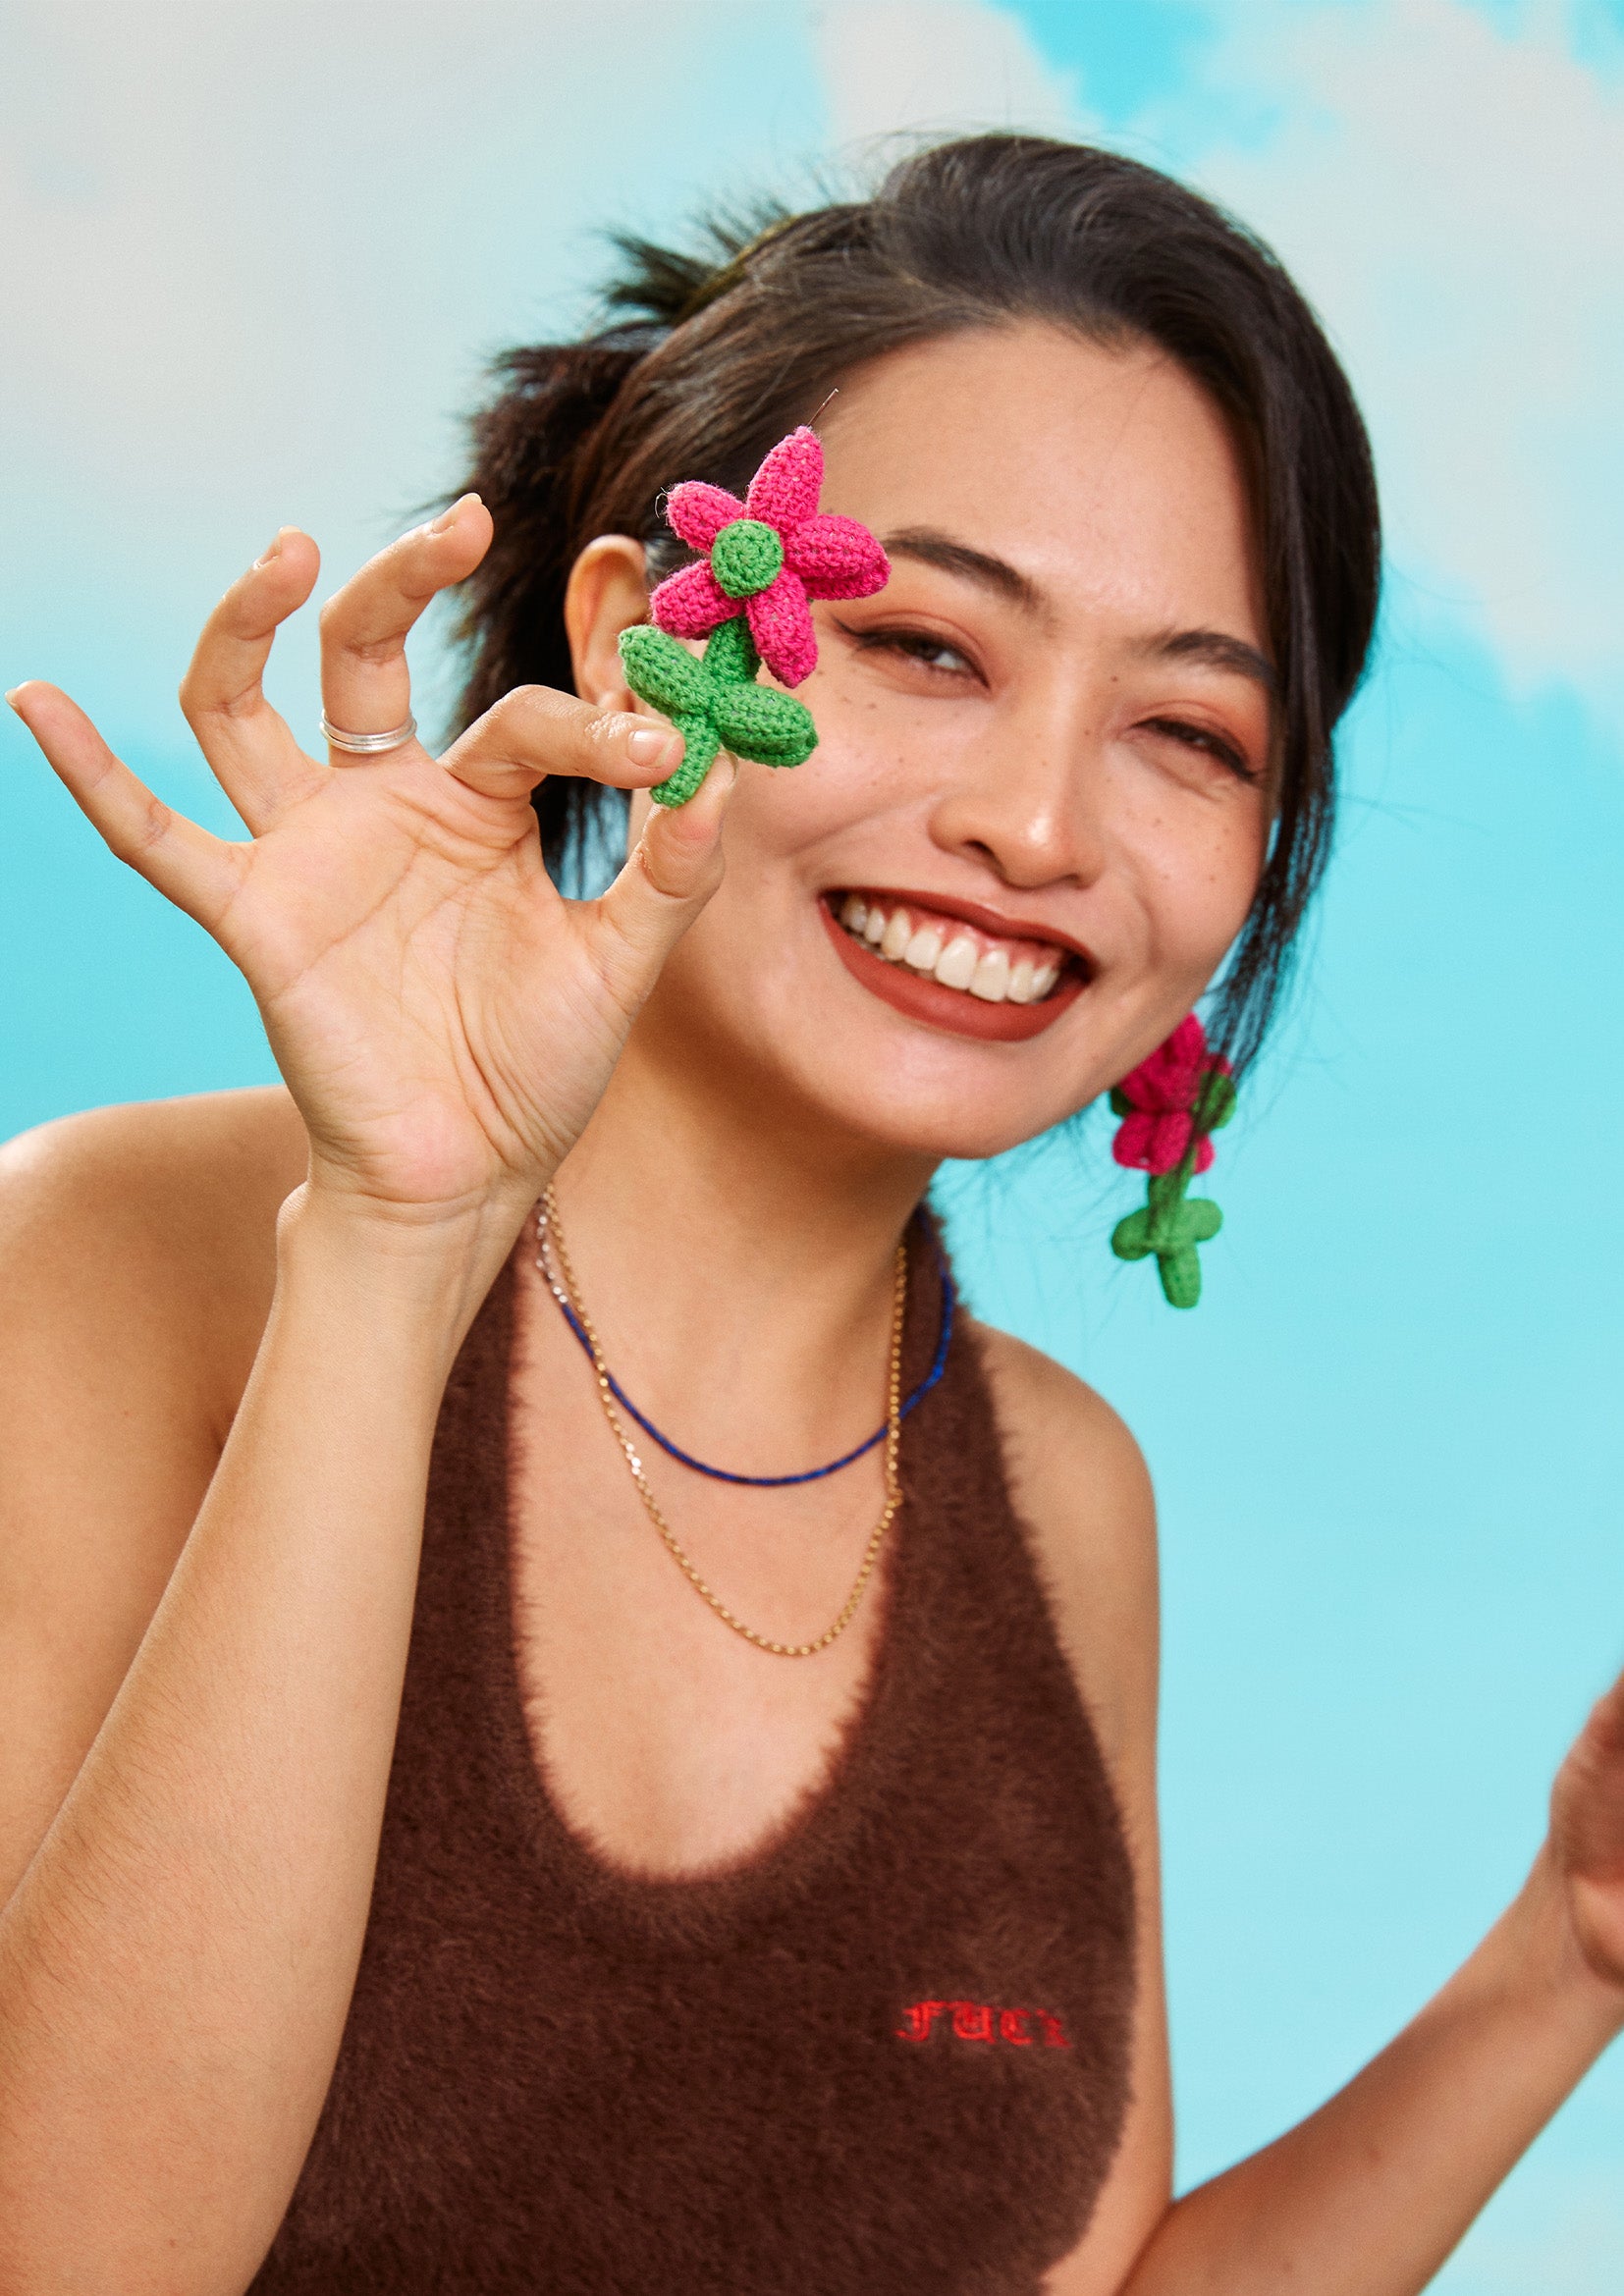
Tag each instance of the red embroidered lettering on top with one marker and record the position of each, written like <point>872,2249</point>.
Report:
<point>983,2022</point>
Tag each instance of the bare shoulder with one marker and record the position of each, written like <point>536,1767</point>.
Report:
<point>136,1264</point>
<point>1081,1488</point>
<point>148,1230</point>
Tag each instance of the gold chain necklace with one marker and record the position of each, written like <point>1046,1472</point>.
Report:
<point>549,1233</point>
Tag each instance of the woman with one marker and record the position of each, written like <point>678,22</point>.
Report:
<point>440,1856</point>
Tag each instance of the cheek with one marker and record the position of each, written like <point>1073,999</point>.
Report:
<point>1198,860</point>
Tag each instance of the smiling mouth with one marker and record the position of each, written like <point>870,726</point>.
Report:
<point>953,975</point>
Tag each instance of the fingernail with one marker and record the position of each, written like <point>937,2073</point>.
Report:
<point>273,549</point>
<point>449,519</point>
<point>649,748</point>
<point>11,698</point>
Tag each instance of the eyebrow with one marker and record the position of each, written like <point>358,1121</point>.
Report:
<point>1213,649</point>
<point>933,549</point>
<point>1217,650</point>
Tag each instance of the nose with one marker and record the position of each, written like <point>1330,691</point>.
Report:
<point>1027,800</point>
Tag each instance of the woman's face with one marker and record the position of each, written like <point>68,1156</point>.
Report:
<point>1044,760</point>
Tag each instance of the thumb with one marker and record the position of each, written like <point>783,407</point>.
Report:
<point>672,870</point>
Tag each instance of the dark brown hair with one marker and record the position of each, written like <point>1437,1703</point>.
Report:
<point>711,357</point>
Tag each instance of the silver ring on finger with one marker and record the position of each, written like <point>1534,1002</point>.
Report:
<point>367,745</point>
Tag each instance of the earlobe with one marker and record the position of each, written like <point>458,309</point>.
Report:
<point>607,592</point>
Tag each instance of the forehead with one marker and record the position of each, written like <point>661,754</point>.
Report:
<point>1106,474</point>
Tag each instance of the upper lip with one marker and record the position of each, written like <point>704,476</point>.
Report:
<point>989,921</point>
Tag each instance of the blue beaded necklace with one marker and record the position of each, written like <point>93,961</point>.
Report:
<point>722,1474</point>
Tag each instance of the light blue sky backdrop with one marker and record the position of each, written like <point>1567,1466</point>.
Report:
<point>256,256</point>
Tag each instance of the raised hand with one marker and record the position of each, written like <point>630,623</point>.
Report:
<point>444,1022</point>
<point>1587,1835</point>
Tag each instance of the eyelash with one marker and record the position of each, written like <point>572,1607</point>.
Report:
<point>914,644</point>
<point>1202,737</point>
<point>917,645</point>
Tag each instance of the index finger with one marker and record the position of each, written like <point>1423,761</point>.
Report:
<point>535,730</point>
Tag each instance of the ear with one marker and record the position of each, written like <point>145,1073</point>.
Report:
<point>607,592</point>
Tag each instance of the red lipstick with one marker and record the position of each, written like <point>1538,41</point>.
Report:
<point>952,1011</point>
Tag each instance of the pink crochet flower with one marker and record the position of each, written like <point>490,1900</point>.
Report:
<point>1158,1102</point>
<point>766,556</point>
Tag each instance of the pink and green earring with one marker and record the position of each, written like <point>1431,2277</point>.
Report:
<point>1169,1105</point>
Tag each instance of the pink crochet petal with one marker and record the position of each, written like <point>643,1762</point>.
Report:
<point>1132,1144</point>
<point>1147,1085</point>
<point>1156,1142</point>
<point>692,603</point>
<point>697,512</point>
<point>837,557</point>
<point>781,628</point>
<point>1168,1079</point>
<point>785,490</point>
<point>1169,1139</point>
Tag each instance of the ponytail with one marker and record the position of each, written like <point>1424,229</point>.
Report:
<point>527,453</point>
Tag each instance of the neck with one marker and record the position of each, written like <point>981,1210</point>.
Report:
<point>737,1258</point>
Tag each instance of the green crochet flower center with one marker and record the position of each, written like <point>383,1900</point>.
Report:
<point>745,557</point>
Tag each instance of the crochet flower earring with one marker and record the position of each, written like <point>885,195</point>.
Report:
<point>1169,1105</point>
<point>763,558</point>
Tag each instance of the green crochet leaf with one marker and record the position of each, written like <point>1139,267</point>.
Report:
<point>700,745</point>
<point>774,728</point>
<point>715,703</point>
<point>1120,1104</point>
<point>1130,1238</point>
<point>1181,1273</point>
<point>1201,1221</point>
<point>660,670</point>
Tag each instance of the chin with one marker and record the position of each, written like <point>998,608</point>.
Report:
<point>905,1022</point>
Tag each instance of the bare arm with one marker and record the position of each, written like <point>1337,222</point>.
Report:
<point>177,1956</point>
<point>177,1962</point>
<point>1368,2196</point>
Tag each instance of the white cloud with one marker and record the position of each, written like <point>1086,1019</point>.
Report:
<point>1451,196</point>
<point>258,255</point>
<point>1450,193</point>
<point>898,67</point>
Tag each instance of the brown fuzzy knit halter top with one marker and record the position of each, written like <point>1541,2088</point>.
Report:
<point>888,2053</point>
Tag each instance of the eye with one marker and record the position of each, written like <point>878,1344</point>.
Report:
<point>1214,745</point>
<point>931,653</point>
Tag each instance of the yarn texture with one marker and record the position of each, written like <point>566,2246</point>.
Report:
<point>1169,1105</point>
<point>764,559</point>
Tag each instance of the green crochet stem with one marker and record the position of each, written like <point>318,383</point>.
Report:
<point>715,703</point>
<point>1172,1224</point>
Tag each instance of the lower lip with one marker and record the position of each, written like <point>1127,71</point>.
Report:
<point>953,1009</point>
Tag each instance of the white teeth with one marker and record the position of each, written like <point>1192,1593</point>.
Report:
<point>956,966</point>
<point>991,978</point>
<point>961,964</point>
